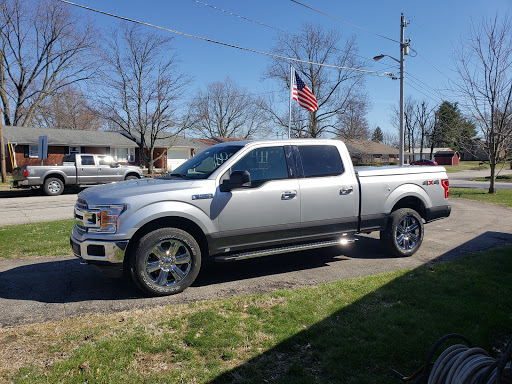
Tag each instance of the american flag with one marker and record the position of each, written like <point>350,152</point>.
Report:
<point>303,94</point>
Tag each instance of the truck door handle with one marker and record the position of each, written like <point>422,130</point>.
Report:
<point>288,195</point>
<point>346,190</point>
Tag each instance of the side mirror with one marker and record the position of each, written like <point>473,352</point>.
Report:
<point>238,179</point>
<point>114,164</point>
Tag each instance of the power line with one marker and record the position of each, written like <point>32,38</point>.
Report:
<point>260,23</point>
<point>423,85</point>
<point>218,42</point>
<point>344,21</point>
<point>424,58</point>
<point>243,17</point>
<point>424,94</point>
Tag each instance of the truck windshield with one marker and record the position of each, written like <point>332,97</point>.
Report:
<point>202,165</point>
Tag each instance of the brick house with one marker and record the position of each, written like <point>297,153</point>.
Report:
<point>22,146</point>
<point>366,151</point>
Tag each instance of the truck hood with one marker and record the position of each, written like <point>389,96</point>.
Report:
<point>125,190</point>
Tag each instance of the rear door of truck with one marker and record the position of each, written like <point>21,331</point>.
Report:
<point>329,193</point>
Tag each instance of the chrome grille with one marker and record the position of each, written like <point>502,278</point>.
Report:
<point>81,203</point>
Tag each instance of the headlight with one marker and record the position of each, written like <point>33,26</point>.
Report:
<point>107,217</point>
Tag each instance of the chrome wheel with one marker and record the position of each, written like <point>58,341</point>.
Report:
<point>403,234</point>
<point>54,187</point>
<point>168,262</point>
<point>408,232</point>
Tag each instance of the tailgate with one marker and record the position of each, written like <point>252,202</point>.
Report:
<point>18,173</point>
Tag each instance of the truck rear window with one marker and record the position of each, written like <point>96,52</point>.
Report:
<point>320,160</point>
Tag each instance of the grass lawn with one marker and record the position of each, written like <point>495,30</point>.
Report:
<point>349,331</point>
<point>466,166</point>
<point>7,185</point>
<point>473,166</point>
<point>36,239</point>
<point>502,197</point>
<point>501,178</point>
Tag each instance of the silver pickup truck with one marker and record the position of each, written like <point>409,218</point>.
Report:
<point>75,170</point>
<point>247,199</point>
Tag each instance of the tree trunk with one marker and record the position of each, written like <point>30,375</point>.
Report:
<point>492,163</point>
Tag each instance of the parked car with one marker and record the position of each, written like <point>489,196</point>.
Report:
<point>75,170</point>
<point>424,162</point>
<point>247,199</point>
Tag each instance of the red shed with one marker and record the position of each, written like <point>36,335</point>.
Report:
<point>447,158</point>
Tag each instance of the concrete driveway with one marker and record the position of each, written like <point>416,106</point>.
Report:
<point>43,289</point>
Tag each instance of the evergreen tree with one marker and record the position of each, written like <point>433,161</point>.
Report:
<point>377,135</point>
<point>453,129</point>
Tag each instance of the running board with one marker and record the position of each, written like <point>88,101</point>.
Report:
<point>275,251</point>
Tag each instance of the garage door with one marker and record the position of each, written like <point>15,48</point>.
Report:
<point>176,157</point>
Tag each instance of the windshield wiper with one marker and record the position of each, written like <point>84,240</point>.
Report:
<point>180,175</point>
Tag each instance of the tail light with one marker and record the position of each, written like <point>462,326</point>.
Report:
<point>25,172</point>
<point>446,185</point>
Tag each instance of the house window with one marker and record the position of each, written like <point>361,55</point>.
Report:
<point>33,151</point>
<point>74,150</point>
<point>123,155</point>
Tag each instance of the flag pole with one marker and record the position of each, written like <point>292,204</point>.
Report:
<point>290,101</point>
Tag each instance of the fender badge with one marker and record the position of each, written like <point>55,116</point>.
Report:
<point>204,196</point>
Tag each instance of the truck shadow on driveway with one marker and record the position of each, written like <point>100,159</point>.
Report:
<point>66,281</point>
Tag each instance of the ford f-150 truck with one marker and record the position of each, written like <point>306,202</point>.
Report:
<point>247,199</point>
<point>75,170</point>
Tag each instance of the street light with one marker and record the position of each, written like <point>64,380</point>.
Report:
<point>404,50</point>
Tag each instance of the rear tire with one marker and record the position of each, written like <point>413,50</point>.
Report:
<point>53,186</point>
<point>165,262</point>
<point>404,232</point>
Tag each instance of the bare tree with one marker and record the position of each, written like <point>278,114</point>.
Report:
<point>425,118</point>
<point>352,123</point>
<point>335,89</point>
<point>44,47</point>
<point>484,67</point>
<point>226,110</point>
<point>68,109</point>
<point>142,87</point>
<point>410,123</point>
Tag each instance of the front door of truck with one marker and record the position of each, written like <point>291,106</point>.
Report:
<point>266,212</point>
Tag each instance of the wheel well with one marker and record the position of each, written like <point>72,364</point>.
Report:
<point>54,176</point>
<point>133,174</point>
<point>174,222</point>
<point>412,203</point>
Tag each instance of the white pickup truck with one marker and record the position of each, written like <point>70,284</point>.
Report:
<point>247,199</point>
<point>75,170</point>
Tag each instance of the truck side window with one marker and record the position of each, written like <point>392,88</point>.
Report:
<point>320,160</point>
<point>87,160</point>
<point>264,164</point>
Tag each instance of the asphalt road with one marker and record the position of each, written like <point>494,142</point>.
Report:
<point>21,207</point>
<point>52,288</point>
<point>463,179</point>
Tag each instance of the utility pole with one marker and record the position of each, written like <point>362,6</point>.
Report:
<point>2,152</point>
<point>404,50</point>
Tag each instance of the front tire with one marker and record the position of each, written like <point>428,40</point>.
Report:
<point>165,262</point>
<point>131,177</point>
<point>53,186</point>
<point>404,232</point>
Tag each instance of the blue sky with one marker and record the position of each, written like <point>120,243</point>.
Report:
<point>435,29</point>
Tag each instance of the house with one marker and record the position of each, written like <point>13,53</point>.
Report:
<point>424,153</point>
<point>447,158</point>
<point>205,143</point>
<point>366,151</point>
<point>22,146</point>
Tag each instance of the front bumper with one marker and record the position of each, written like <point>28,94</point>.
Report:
<point>99,251</point>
